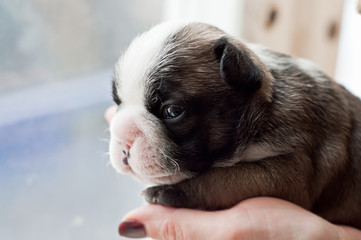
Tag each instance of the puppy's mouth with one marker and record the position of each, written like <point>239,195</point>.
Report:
<point>144,162</point>
<point>154,174</point>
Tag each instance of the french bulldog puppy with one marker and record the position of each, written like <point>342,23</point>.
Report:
<point>210,121</point>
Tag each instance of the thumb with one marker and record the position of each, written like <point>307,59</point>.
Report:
<point>159,222</point>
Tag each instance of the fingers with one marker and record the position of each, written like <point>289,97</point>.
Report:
<point>348,233</point>
<point>109,113</point>
<point>159,222</point>
<point>259,218</point>
<point>278,219</point>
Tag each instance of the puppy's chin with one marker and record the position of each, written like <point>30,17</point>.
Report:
<point>165,179</point>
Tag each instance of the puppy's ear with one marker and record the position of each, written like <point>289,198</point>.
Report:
<point>237,68</point>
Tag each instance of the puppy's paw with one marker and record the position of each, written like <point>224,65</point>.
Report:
<point>167,195</point>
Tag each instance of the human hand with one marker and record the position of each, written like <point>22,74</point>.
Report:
<point>257,218</point>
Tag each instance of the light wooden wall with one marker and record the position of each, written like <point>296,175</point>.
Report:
<point>304,28</point>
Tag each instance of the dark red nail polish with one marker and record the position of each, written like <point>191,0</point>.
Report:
<point>132,229</point>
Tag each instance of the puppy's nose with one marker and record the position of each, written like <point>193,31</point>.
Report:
<point>130,135</point>
<point>127,134</point>
<point>128,144</point>
<point>126,130</point>
<point>128,139</point>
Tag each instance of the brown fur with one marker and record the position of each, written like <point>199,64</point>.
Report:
<point>297,136</point>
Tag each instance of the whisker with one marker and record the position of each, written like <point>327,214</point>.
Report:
<point>106,140</point>
<point>105,154</point>
<point>173,162</point>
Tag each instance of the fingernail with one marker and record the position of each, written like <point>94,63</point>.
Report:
<point>132,229</point>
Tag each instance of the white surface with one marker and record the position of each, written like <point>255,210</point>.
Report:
<point>224,14</point>
<point>348,70</point>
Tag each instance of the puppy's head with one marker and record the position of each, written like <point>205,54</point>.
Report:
<point>184,93</point>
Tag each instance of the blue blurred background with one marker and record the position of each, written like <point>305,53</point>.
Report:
<point>56,61</point>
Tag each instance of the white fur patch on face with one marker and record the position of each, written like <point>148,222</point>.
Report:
<point>137,144</point>
<point>132,67</point>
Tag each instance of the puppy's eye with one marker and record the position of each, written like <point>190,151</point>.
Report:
<point>172,111</point>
